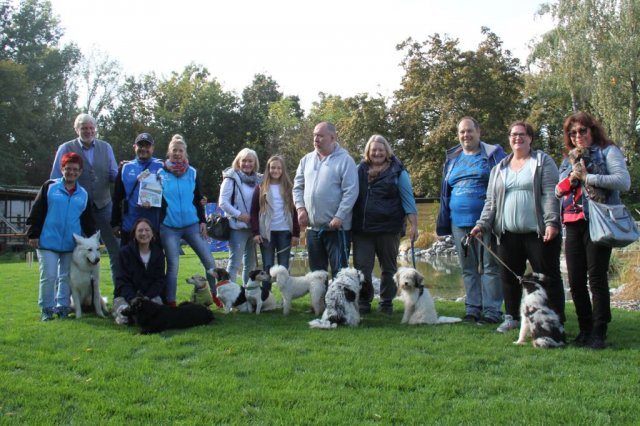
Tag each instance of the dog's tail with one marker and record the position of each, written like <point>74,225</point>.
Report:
<point>448,320</point>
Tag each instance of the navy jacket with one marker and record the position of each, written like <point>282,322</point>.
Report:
<point>133,276</point>
<point>378,207</point>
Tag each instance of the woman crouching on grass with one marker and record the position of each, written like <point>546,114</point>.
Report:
<point>61,208</point>
<point>142,269</point>
<point>274,221</point>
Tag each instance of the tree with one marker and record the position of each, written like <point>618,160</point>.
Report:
<point>442,84</point>
<point>39,74</point>
<point>193,104</point>
<point>592,54</point>
<point>256,99</point>
<point>100,77</point>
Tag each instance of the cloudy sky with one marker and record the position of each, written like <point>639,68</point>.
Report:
<point>340,47</point>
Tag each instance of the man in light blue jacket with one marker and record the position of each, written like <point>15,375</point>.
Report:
<point>324,191</point>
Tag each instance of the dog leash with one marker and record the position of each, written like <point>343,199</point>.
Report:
<point>413,254</point>
<point>496,257</point>
<point>342,240</point>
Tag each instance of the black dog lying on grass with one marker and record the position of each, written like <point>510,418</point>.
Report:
<point>154,318</point>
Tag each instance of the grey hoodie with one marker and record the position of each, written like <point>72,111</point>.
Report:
<point>326,188</point>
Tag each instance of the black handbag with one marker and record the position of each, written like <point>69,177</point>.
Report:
<point>218,227</point>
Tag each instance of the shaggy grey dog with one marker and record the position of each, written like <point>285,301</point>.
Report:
<point>341,300</point>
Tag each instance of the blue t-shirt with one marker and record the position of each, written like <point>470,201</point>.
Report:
<point>468,179</point>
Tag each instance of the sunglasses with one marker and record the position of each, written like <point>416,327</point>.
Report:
<point>582,131</point>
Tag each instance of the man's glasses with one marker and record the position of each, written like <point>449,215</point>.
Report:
<point>582,131</point>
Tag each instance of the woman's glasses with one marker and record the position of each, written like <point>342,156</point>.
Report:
<point>582,131</point>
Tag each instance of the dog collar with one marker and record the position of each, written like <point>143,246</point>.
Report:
<point>221,283</point>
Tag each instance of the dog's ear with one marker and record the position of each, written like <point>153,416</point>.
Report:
<point>96,236</point>
<point>349,295</point>
<point>78,238</point>
<point>419,279</point>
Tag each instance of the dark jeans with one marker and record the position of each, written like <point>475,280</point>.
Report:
<point>328,248</point>
<point>588,263</point>
<point>279,245</point>
<point>515,250</point>
<point>366,246</point>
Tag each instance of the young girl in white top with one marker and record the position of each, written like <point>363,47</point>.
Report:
<point>274,222</point>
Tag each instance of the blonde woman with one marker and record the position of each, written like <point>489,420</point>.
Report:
<point>236,194</point>
<point>274,221</point>
<point>182,215</point>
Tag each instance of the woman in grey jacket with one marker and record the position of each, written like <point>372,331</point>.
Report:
<point>520,184</point>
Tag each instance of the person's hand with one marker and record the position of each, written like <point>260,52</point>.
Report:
<point>203,230</point>
<point>335,223</point>
<point>550,232</point>
<point>116,231</point>
<point>34,242</point>
<point>476,232</point>
<point>244,217</point>
<point>203,201</point>
<point>146,205</point>
<point>295,241</point>
<point>257,239</point>
<point>303,217</point>
<point>413,233</point>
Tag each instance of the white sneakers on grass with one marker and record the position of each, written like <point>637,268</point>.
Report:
<point>508,324</point>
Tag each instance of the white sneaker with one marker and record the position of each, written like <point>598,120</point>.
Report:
<point>508,324</point>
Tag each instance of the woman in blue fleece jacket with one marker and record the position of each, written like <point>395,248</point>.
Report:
<point>61,209</point>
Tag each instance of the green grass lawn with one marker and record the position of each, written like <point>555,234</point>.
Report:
<point>272,369</point>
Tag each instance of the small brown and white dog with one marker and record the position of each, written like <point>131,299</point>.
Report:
<point>537,318</point>
<point>580,159</point>
<point>230,293</point>
<point>292,288</point>
<point>201,293</point>
<point>418,303</point>
<point>253,292</point>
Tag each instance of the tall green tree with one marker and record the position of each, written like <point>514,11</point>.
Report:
<point>442,84</point>
<point>38,73</point>
<point>195,105</point>
<point>592,54</point>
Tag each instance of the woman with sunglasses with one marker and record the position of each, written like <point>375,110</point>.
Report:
<point>587,262</point>
<point>521,184</point>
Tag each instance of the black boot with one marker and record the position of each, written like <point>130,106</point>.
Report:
<point>598,337</point>
<point>582,339</point>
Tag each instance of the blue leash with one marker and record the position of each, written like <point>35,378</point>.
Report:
<point>413,254</point>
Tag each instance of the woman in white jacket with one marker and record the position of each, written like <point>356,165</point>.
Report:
<point>236,193</point>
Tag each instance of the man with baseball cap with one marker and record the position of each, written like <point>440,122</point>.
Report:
<point>126,209</point>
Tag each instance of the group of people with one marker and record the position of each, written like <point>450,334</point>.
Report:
<point>495,205</point>
<point>506,210</point>
<point>267,210</point>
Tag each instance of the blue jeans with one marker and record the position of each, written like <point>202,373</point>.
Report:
<point>103,224</point>
<point>328,248</point>
<point>483,292</point>
<point>279,245</point>
<point>241,245</point>
<point>170,238</point>
<point>54,269</point>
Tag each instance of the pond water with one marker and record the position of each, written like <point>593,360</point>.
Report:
<point>443,275</point>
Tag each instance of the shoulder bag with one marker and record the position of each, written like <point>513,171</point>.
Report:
<point>611,225</point>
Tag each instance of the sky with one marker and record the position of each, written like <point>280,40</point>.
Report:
<point>339,47</point>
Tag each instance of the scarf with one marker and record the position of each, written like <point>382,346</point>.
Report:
<point>249,180</point>
<point>177,168</point>
<point>372,175</point>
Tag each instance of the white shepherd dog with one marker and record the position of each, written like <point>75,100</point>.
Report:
<point>84,277</point>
